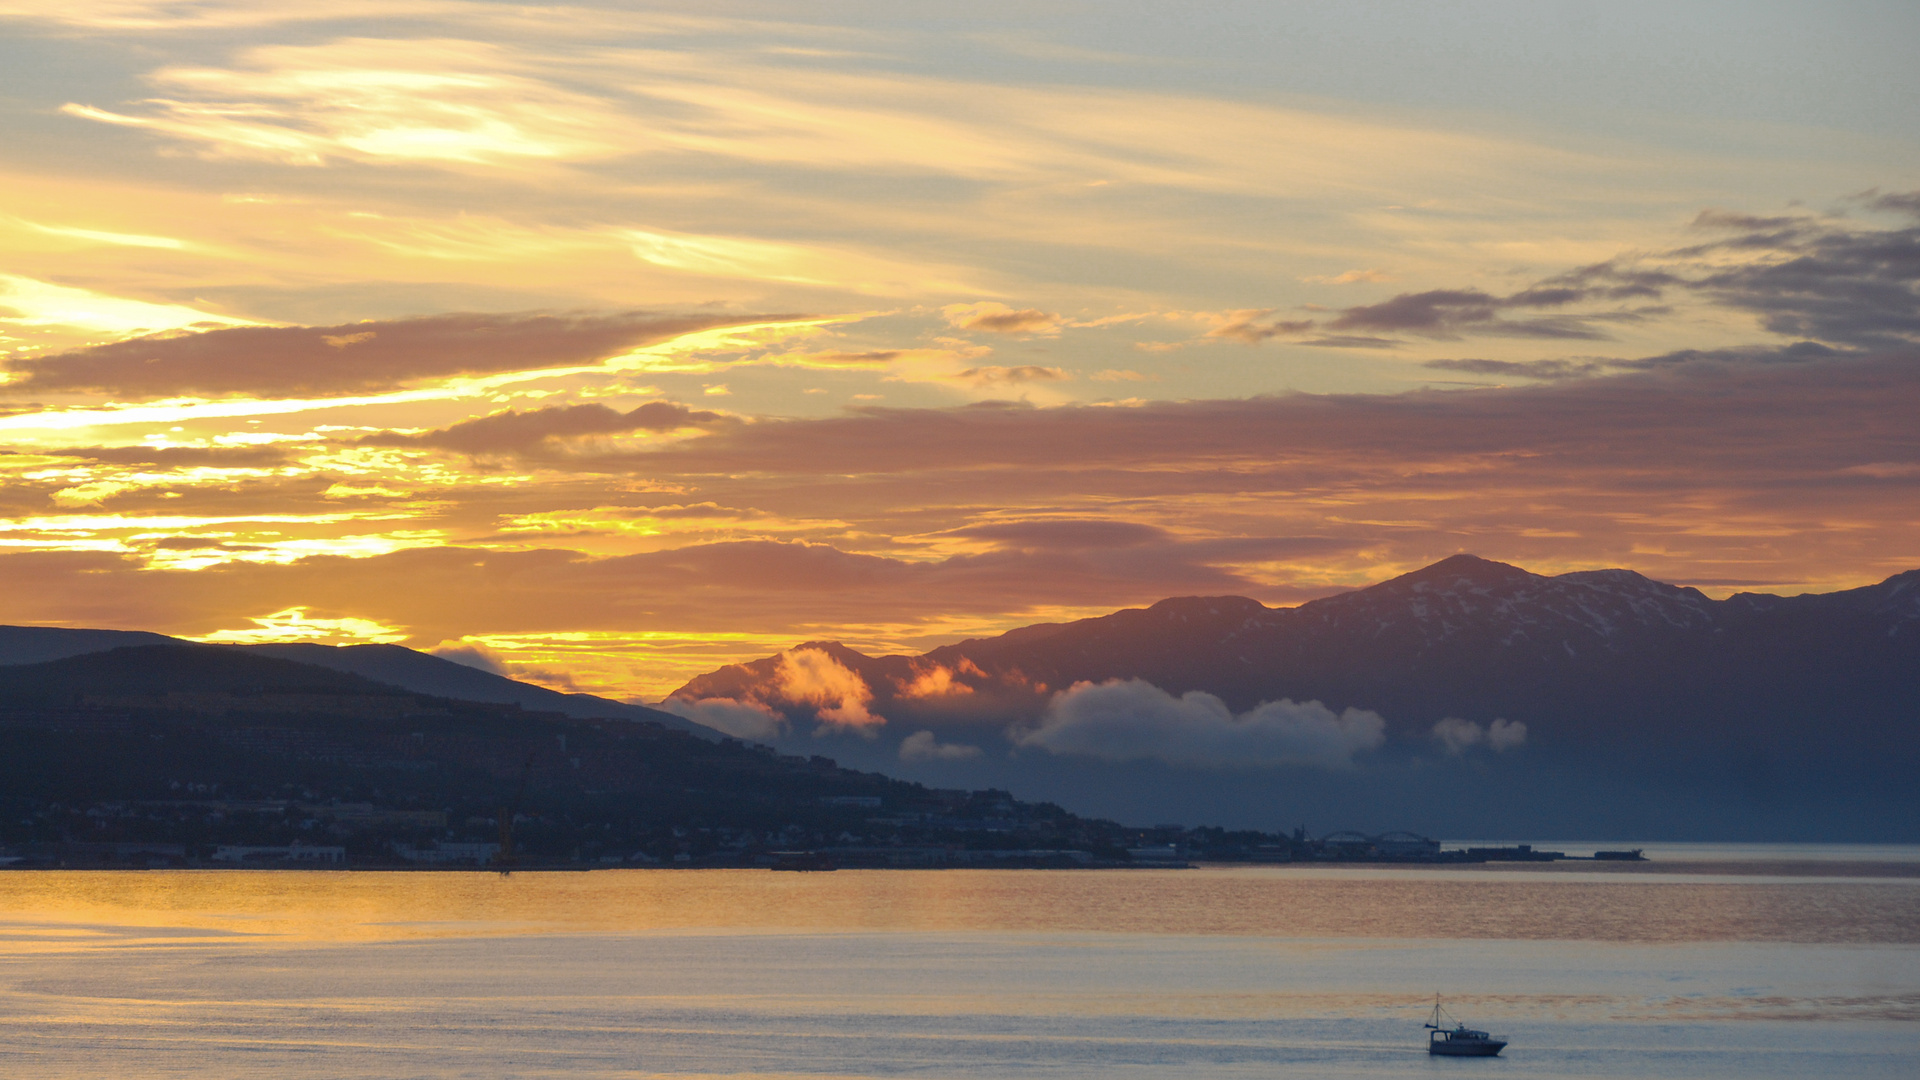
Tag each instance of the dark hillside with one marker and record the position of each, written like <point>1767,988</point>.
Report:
<point>156,670</point>
<point>38,644</point>
<point>426,674</point>
<point>418,672</point>
<point>191,747</point>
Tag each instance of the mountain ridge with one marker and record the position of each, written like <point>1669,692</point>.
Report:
<point>1460,605</point>
<point>1638,692</point>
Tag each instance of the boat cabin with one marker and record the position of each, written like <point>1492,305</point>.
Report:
<point>1460,1040</point>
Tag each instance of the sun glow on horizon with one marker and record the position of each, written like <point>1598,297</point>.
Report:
<point>295,625</point>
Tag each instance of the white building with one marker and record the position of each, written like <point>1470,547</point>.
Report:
<point>295,852</point>
<point>475,854</point>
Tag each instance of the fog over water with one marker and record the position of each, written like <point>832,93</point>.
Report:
<point>1282,971</point>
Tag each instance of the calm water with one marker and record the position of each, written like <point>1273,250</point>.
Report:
<point>1270,972</point>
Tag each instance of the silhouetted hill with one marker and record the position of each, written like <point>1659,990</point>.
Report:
<point>170,751</point>
<point>393,664</point>
<point>427,674</point>
<point>37,644</point>
<point>154,671</point>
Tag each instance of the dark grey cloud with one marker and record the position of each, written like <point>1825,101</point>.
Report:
<point>1800,352</point>
<point>1826,281</point>
<point>1898,202</point>
<point>1437,311</point>
<point>540,430</point>
<point>1550,370</point>
<point>1748,223</point>
<point>1823,280</point>
<point>1451,313</point>
<point>331,361</point>
<point>1839,288</point>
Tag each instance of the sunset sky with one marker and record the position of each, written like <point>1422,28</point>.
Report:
<point>622,341</point>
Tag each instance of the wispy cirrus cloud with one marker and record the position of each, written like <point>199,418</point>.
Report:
<point>27,302</point>
<point>379,100</point>
<point>205,14</point>
<point>837,265</point>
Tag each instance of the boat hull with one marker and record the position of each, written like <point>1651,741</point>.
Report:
<point>1465,1049</point>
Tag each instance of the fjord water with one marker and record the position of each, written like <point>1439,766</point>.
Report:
<point>1241,972</point>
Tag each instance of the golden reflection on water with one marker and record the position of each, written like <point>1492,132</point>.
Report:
<point>1211,974</point>
<point>63,910</point>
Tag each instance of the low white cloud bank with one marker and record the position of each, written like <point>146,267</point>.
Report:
<point>922,746</point>
<point>1134,720</point>
<point>1458,735</point>
<point>741,719</point>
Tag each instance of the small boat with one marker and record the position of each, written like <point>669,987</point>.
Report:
<point>1459,1040</point>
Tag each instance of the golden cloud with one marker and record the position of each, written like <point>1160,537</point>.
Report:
<point>997,318</point>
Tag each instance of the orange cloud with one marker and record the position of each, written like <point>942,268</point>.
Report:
<point>998,318</point>
<point>937,680</point>
<point>839,695</point>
